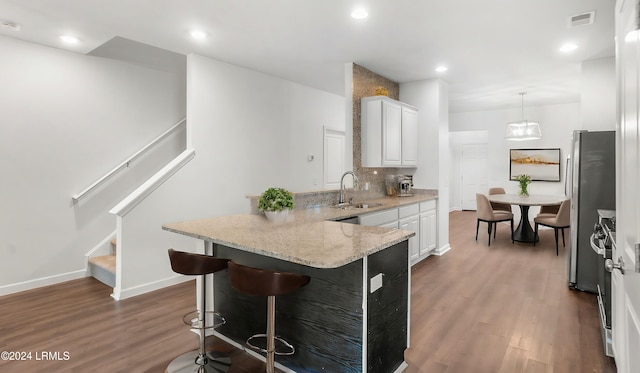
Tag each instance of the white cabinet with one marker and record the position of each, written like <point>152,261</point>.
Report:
<point>410,221</point>
<point>385,218</point>
<point>418,217</point>
<point>409,136</point>
<point>389,133</point>
<point>428,228</point>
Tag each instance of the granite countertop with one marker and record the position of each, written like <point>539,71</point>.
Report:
<point>315,243</point>
<point>334,213</point>
<point>308,237</point>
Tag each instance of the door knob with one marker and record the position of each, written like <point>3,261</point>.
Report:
<point>610,266</point>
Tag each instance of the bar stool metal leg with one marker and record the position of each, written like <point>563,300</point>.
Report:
<point>271,334</point>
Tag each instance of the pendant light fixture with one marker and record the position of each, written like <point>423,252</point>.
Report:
<point>524,129</point>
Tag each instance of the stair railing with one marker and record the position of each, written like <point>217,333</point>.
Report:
<point>126,163</point>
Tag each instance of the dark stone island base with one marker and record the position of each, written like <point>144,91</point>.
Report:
<point>328,323</point>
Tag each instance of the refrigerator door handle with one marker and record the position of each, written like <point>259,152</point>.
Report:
<point>566,176</point>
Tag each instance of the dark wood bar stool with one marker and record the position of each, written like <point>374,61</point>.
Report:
<point>198,361</point>
<point>262,282</point>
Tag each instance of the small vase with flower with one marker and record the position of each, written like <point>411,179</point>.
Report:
<point>524,181</point>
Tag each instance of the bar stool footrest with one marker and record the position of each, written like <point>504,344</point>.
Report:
<point>192,319</point>
<point>290,350</point>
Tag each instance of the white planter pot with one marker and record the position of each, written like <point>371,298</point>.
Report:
<point>277,217</point>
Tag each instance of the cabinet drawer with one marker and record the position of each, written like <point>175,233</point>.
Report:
<point>410,210</point>
<point>379,218</point>
<point>427,205</point>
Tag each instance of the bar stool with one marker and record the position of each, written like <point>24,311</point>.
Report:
<point>198,361</point>
<point>262,282</point>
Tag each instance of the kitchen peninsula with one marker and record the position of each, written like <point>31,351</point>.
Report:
<point>353,315</point>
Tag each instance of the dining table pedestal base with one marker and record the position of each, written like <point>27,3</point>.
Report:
<point>524,232</point>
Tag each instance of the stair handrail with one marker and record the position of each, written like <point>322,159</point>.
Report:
<point>144,190</point>
<point>76,197</point>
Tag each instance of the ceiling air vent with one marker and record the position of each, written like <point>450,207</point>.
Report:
<point>582,19</point>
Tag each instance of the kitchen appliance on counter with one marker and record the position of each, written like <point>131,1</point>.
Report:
<point>602,242</point>
<point>592,187</point>
<point>406,183</point>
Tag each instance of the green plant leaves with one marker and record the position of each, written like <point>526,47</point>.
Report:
<point>275,199</point>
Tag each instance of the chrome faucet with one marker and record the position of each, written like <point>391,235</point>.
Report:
<point>355,180</point>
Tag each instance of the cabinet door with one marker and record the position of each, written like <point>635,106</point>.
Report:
<point>391,134</point>
<point>428,233</point>
<point>412,224</point>
<point>409,137</point>
<point>390,225</point>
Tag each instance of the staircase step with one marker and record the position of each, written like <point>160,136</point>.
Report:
<point>103,268</point>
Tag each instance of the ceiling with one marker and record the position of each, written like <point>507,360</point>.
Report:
<point>494,49</point>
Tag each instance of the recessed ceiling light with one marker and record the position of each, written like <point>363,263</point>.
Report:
<point>569,47</point>
<point>359,13</point>
<point>69,39</point>
<point>441,69</point>
<point>8,25</point>
<point>198,34</point>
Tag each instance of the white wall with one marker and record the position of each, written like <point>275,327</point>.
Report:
<point>557,122</point>
<point>595,112</point>
<point>67,119</point>
<point>598,99</point>
<point>250,131</point>
<point>432,100</point>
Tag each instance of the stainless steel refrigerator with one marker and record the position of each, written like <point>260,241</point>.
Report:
<point>592,182</point>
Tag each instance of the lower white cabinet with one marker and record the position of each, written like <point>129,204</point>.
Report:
<point>418,217</point>
<point>412,224</point>
<point>409,220</point>
<point>428,229</point>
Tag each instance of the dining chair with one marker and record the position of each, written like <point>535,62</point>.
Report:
<point>491,217</point>
<point>497,206</point>
<point>559,221</point>
<point>550,210</point>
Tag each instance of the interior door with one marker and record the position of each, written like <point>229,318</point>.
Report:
<point>333,157</point>
<point>626,287</point>
<point>474,173</point>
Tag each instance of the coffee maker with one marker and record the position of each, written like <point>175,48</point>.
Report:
<point>406,183</point>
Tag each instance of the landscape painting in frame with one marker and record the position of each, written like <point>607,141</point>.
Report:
<point>540,164</point>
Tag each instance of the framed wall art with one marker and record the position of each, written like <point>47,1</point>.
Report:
<point>540,164</point>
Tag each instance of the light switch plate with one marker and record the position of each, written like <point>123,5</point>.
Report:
<point>375,283</point>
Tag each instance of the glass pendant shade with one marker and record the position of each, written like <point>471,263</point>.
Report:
<point>523,130</point>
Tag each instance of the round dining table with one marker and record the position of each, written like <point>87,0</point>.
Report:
<point>524,232</point>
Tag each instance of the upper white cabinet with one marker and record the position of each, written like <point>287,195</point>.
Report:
<point>389,133</point>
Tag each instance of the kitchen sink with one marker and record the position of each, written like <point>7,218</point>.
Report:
<point>358,205</point>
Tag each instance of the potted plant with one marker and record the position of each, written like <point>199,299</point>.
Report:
<point>276,203</point>
<point>524,181</point>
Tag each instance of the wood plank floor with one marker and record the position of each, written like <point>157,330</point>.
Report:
<point>501,308</point>
<point>504,308</point>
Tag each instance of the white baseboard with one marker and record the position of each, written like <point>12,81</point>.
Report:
<point>40,282</point>
<point>443,250</point>
<point>120,294</point>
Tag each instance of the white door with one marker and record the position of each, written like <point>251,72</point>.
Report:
<point>474,173</point>
<point>626,287</point>
<point>411,224</point>
<point>333,157</point>
<point>409,137</point>
<point>391,134</point>
<point>428,232</point>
